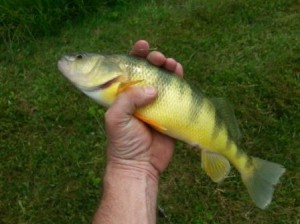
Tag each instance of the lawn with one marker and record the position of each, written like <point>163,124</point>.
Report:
<point>52,138</point>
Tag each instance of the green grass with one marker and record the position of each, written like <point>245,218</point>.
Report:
<point>52,140</point>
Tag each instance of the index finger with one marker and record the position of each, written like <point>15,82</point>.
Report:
<point>140,48</point>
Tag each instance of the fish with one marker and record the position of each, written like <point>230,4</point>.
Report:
<point>180,111</point>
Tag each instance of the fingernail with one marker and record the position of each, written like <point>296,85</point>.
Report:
<point>150,90</point>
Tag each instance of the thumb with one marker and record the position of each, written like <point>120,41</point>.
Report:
<point>120,112</point>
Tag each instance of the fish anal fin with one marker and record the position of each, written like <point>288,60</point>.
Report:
<point>225,111</point>
<point>152,123</point>
<point>215,165</point>
<point>127,84</point>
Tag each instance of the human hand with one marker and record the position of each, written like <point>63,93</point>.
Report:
<point>130,141</point>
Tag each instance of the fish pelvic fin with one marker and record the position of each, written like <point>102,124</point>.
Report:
<point>260,180</point>
<point>216,166</point>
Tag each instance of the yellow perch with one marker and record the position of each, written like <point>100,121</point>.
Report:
<point>178,111</point>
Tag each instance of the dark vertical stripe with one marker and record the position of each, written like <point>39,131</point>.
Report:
<point>218,126</point>
<point>239,153</point>
<point>197,102</point>
<point>182,87</point>
<point>229,143</point>
<point>249,162</point>
<point>159,78</point>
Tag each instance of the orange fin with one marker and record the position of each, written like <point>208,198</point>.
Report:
<point>152,123</point>
<point>125,85</point>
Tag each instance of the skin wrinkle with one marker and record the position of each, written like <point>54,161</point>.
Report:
<point>131,145</point>
<point>140,167</point>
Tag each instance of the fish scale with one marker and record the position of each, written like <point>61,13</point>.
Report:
<point>178,111</point>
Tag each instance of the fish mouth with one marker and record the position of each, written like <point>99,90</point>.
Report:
<point>62,65</point>
<point>64,62</point>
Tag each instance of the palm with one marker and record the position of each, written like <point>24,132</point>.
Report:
<point>136,141</point>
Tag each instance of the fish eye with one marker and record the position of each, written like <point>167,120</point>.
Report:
<point>79,56</point>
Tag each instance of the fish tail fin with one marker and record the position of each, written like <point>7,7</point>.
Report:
<point>260,180</point>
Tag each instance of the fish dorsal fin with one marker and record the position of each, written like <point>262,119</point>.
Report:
<point>225,112</point>
<point>215,165</point>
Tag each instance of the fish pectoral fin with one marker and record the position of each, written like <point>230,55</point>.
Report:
<point>152,123</point>
<point>215,165</point>
<point>125,85</point>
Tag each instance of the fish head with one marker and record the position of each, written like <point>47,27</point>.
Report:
<point>96,75</point>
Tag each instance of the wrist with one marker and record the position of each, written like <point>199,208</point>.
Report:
<point>129,195</point>
<point>131,169</point>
